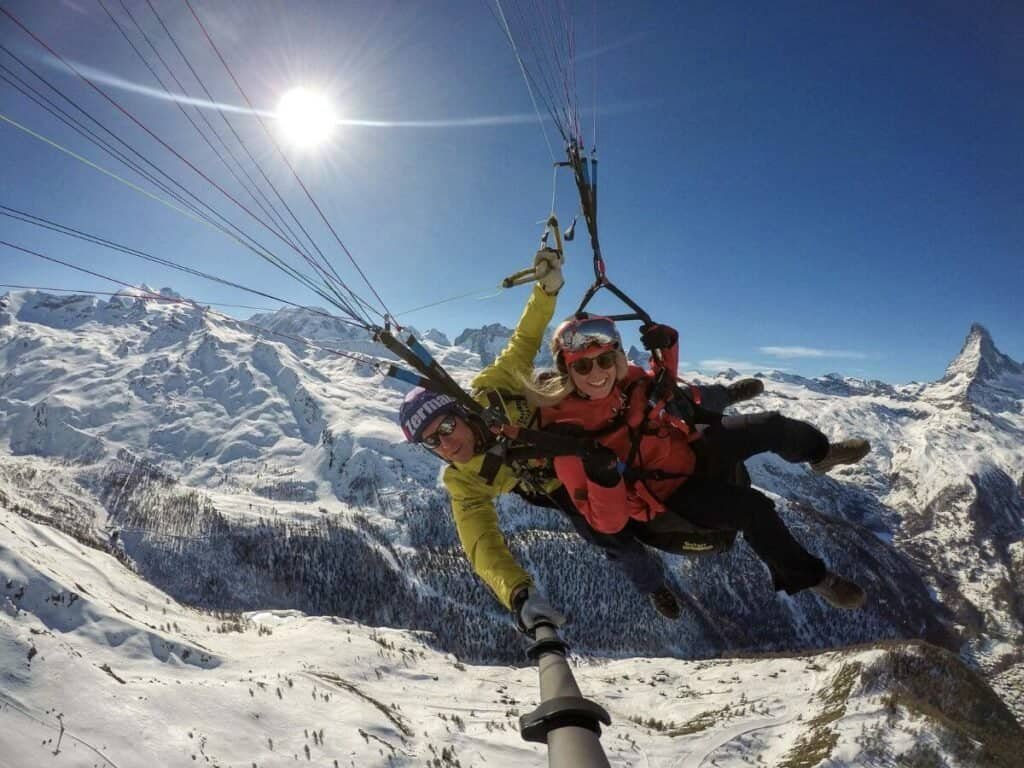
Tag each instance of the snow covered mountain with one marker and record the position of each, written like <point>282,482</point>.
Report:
<point>237,472</point>
<point>99,668</point>
<point>488,341</point>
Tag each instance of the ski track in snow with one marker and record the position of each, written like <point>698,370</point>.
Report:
<point>697,754</point>
<point>698,751</point>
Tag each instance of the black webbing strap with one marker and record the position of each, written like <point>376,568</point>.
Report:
<point>537,444</point>
<point>636,435</point>
<point>495,400</point>
<point>493,461</point>
<point>682,406</point>
<point>632,475</point>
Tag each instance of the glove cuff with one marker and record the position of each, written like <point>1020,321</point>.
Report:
<point>551,292</point>
<point>519,597</point>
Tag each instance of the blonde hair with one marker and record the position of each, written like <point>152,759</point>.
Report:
<point>547,388</point>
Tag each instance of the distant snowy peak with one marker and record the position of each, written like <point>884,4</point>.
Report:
<point>437,337</point>
<point>489,341</point>
<point>486,342</point>
<point>853,385</point>
<point>834,384</point>
<point>980,361</point>
<point>142,307</point>
<point>981,375</point>
<point>146,293</point>
<point>309,323</point>
<point>637,356</point>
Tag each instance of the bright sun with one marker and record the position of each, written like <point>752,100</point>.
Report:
<point>306,118</point>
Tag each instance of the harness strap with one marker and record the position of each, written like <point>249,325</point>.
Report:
<point>494,400</point>
<point>539,444</point>
<point>636,435</point>
<point>494,459</point>
<point>632,475</point>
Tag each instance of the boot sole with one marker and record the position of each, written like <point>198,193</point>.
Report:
<point>824,466</point>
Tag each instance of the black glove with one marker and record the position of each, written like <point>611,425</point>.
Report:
<point>657,336</point>
<point>530,608</point>
<point>602,466</point>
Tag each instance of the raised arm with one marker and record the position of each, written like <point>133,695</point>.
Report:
<point>516,359</point>
<point>663,344</point>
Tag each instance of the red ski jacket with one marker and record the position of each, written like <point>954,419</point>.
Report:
<point>628,422</point>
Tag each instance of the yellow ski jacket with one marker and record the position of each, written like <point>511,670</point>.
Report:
<point>472,495</point>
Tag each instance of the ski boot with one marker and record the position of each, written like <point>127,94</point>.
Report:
<point>839,592</point>
<point>666,603</point>
<point>744,389</point>
<point>844,452</point>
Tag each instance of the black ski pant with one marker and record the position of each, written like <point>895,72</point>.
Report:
<point>710,499</point>
<point>714,397</point>
<point>642,567</point>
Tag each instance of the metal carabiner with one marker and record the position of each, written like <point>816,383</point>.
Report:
<point>529,274</point>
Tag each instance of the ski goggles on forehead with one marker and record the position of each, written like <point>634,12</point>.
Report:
<point>445,428</point>
<point>591,332</point>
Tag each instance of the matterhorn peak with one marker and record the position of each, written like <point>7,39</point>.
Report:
<point>979,360</point>
<point>981,375</point>
<point>637,356</point>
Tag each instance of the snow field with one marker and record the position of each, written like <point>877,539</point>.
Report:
<point>139,680</point>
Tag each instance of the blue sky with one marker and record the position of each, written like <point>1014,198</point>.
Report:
<point>808,186</point>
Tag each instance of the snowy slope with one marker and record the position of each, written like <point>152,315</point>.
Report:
<point>246,474</point>
<point>944,479</point>
<point>98,668</point>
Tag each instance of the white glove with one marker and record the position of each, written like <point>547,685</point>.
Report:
<point>531,608</point>
<point>547,265</point>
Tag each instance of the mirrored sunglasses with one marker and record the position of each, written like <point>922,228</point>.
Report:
<point>445,428</point>
<point>585,365</point>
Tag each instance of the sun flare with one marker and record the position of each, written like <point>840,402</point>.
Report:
<point>305,117</point>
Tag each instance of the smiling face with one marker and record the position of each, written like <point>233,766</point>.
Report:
<point>594,373</point>
<point>458,446</point>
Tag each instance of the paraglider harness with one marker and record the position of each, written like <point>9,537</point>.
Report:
<point>666,401</point>
<point>529,451</point>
